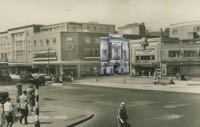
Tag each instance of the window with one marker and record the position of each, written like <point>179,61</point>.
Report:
<point>29,43</point>
<point>19,43</point>
<point>175,31</point>
<point>87,40</point>
<point>189,53</point>
<point>91,52</point>
<point>174,53</point>
<point>153,57</point>
<point>88,27</point>
<point>47,41</point>
<point>137,58</point>
<point>94,28</point>
<point>124,54</point>
<point>96,40</point>
<point>145,57</point>
<point>35,42</point>
<point>19,54</point>
<point>69,39</point>
<point>54,40</point>
<point>41,42</point>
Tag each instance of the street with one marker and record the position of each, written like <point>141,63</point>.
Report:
<point>145,108</point>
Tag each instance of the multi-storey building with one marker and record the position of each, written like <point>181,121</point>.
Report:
<point>79,27</point>
<point>5,48</point>
<point>114,54</point>
<point>145,60</point>
<point>133,29</point>
<point>181,57</point>
<point>185,30</point>
<point>66,52</point>
<point>56,48</point>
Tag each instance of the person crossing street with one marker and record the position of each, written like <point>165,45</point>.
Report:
<point>122,116</point>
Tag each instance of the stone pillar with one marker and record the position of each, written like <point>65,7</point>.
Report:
<point>60,69</point>
<point>78,70</point>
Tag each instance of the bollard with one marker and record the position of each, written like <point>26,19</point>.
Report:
<point>19,89</point>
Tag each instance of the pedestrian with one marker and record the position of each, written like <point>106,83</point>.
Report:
<point>177,76</point>
<point>149,74</point>
<point>9,114</point>
<point>31,97</point>
<point>122,116</point>
<point>2,115</point>
<point>23,104</point>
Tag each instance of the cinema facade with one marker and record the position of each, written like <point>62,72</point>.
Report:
<point>114,55</point>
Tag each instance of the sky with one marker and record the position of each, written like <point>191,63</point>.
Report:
<point>154,13</point>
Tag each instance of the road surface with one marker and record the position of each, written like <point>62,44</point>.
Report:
<point>145,108</point>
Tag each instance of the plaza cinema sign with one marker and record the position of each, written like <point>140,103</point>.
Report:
<point>145,52</point>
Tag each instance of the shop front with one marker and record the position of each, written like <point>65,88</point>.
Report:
<point>145,69</point>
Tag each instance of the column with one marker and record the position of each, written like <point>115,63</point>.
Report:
<point>61,69</point>
<point>78,70</point>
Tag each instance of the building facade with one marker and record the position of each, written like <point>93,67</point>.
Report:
<point>181,57</point>
<point>57,48</point>
<point>133,29</point>
<point>185,30</point>
<point>145,60</point>
<point>114,55</point>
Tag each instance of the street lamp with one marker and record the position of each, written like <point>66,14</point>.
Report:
<point>96,73</point>
<point>144,43</point>
<point>48,62</point>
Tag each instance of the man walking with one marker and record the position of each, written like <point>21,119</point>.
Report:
<point>23,104</point>
<point>31,97</point>
<point>122,116</point>
<point>8,109</point>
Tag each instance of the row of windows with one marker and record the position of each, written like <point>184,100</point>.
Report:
<point>179,53</point>
<point>88,40</point>
<point>92,52</point>
<point>96,28</point>
<point>4,37</point>
<point>45,55</point>
<point>56,28</point>
<point>147,57</point>
<point>5,44</point>
<point>42,42</point>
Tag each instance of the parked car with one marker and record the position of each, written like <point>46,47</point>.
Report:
<point>3,96</point>
<point>26,77</point>
<point>4,76</point>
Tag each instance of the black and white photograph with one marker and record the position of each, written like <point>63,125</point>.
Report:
<point>99,63</point>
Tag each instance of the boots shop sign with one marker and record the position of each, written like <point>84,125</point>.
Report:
<point>145,52</point>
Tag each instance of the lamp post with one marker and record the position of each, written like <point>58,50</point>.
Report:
<point>48,62</point>
<point>37,120</point>
<point>95,70</point>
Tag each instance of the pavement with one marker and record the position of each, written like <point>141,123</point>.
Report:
<point>51,115</point>
<point>142,83</point>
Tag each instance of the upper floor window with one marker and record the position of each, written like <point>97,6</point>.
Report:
<point>69,39</point>
<point>97,40</point>
<point>47,41</point>
<point>189,53</point>
<point>35,42</point>
<point>41,42</point>
<point>29,43</point>
<point>54,40</point>
<point>175,31</point>
<point>87,40</point>
<point>174,53</point>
